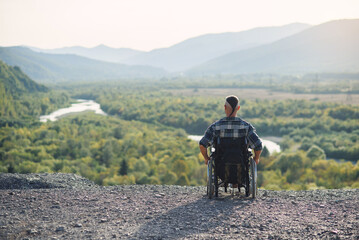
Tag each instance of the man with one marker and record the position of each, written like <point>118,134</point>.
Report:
<point>231,127</point>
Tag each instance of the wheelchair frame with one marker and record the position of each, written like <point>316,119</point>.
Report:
<point>213,185</point>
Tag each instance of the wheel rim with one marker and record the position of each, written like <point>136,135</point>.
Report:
<point>210,180</point>
<point>253,178</point>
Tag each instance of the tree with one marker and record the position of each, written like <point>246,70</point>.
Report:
<point>182,180</point>
<point>11,168</point>
<point>169,178</point>
<point>118,133</point>
<point>316,152</point>
<point>265,152</point>
<point>180,167</point>
<point>107,154</point>
<point>124,168</point>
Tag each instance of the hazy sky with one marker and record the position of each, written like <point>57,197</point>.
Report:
<point>150,24</point>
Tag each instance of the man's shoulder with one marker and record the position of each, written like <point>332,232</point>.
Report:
<point>219,122</point>
<point>232,120</point>
<point>244,122</point>
<point>227,120</point>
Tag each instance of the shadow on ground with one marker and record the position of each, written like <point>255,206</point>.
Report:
<point>203,216</point>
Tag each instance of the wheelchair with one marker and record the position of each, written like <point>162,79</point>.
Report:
<point>231,163</point>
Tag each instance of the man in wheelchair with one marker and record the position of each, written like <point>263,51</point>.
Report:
<point>231,137</point>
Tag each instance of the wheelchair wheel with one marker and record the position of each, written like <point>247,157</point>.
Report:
<point>253,178</point>
<point>210,179</point>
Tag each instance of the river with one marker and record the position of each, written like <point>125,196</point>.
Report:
<point>81,106</point>
<point>270,145</point>
<point>90,105</point>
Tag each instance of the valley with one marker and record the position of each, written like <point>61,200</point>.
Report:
<point>103,104</point>
<point>311,111</point>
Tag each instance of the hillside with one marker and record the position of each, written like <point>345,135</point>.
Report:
<point>49,68</point>
<point>101,52</point>
<point>22,100</point>
<point>195,51</point>
<point>172,212</point>
<point>329,47</point>
<point>15,82</point>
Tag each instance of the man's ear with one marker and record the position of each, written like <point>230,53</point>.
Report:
<point>238,108</point>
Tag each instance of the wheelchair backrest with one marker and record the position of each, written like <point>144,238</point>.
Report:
<point>231,143</point>
<point>231,150</point>
<point>231,156</point>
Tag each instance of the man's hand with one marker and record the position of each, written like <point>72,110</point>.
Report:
<point>204,153</point>
<point>257,154</point>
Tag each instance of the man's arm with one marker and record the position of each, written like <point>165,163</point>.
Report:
<point>255,143</point>
<point>206,142</point>
<point>204,153</point>
<point>257,154</point>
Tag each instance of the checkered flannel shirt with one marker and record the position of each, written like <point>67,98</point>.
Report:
<point>232,127</point>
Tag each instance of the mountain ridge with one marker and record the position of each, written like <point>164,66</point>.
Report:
<point>187,53</point>
<point>46,68</point>
<point>100,52</point>
<point>193,51</point>
<point>328,47</point>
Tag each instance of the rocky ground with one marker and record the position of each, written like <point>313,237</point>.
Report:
<point>66,206</point>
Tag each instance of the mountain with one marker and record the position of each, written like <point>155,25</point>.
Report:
<point>101,52</point>
<point>200,49</point>
<point>328,47</point>
<point>47,68</point>
<point>13,81</point>
<point>14,85</point>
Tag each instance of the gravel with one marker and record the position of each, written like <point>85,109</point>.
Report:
<point>66,206</point>
<point>43,180</point>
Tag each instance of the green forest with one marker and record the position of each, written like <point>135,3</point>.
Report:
<point>144,137</point>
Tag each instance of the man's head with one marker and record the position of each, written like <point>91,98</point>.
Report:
<point>231,106</point>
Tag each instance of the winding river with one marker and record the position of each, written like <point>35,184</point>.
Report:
<point>81,106</point>
<point>90,105</point>
<point>270,145</point>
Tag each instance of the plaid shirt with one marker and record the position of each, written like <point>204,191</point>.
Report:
<point>232,127</point>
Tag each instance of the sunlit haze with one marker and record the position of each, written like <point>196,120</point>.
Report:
<point>146,25</point>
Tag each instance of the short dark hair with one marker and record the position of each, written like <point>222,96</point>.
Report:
<point>232,100</point>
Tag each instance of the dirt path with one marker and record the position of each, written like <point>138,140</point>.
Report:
<point>174,212</point>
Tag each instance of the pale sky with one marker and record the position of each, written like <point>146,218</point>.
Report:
<point>150,24</point>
